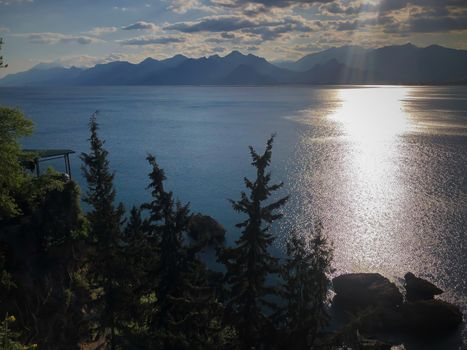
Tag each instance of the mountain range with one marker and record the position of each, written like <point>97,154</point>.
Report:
<point>404,64</point>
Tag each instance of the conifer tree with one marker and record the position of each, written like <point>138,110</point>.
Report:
<point>167,222</point>
<point>187,316</point>
<point>306,282</point>
<point>105,220</point>
<point>137,257</point>
<point>249,263</point>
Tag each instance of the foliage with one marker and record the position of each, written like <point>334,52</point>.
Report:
<point>187,315</point>
<point>74,280</point>
<point>105,239</point>
<point>45,258</point>
<point>249,263</point>
<point>306,282</point>
<point>13,126</point>
<point>35,188</point>
<point>8,337</point>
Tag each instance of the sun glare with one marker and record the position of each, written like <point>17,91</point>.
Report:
<point>362,124</point>
<point>371,121</point>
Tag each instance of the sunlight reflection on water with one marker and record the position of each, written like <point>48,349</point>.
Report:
<point>387,182</point>
<point>372,120</point>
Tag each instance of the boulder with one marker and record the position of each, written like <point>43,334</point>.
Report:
<point>419,289</point>
<point>431,316</point>
<point>361,290</point>
<point>205,230</point>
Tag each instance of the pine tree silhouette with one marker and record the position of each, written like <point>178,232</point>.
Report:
<point>249,263</point>
<point>105,219</point>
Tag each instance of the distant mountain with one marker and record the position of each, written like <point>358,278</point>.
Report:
<point>218,70</point>
<point>247,75</point>
<point>331,72</point>
<point>405,64</point>
<point>410,64</point>
<point>345,54</point>
<point>43,76</point>
<point>125,73</point>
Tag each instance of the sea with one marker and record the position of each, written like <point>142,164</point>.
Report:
<point>383,168</point>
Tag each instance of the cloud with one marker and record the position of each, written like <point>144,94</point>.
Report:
<point>14,2</point>
<point>268,3</point>
<point>56,38</point>
<point>437,24</point>
<point>440,6</point>
<point>99,31</point>
<point>238,38</point>
<point>423,16</point>
<point>141,25</point>
<point>123,9</point>
<point>183,6</point>
<point>268,28</point>
<point>226,35</point>
<point>218,49</point>
<point>273,32</point>
<point>347,9</point>
<point>152,40</point>
<point>214,24</point>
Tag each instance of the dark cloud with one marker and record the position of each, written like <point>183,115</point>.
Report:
<point>274,32</point>
<point>268,3</point>
<point>214,24</point>
<point>434,5</point>
<point>348,25</point>
<point>437,24</point>
<point>339,8</point>
<point>424,16</point>
<point>268,29</point>
<point>239,38</point>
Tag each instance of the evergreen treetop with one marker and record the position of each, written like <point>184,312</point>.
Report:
<point>305,286</point>
<point>105,219</point>
<point>249,262</point>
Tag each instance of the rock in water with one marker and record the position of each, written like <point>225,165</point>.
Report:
<point>360,290</point>
<point>204,229</point>
<point>419,289</point>
<point>431,316</point>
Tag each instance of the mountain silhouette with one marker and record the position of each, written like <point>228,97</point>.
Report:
<point>401,64</point>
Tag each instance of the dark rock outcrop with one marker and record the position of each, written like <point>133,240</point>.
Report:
<point>431,316</point>
<point>205,230</point>
<point>361,290</point>
<point>381,308</point>
<point>419,289</point>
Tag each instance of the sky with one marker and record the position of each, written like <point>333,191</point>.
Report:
<point>86,32</point>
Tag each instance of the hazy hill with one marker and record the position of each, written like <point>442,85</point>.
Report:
<point>247,75</point>
<point>344,54</point>
<point>393,64</point>
<point>41,75</point>
<point>331,72</point>
<point>404,64</point>
<point>125,73</point>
